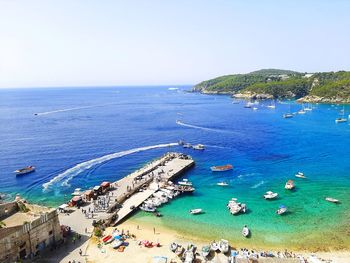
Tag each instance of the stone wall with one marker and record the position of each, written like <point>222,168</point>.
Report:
<point>8,209</point>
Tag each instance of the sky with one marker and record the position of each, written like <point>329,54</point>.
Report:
<point>166,42</point>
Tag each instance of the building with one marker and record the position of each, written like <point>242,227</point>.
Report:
<point>26,230</point>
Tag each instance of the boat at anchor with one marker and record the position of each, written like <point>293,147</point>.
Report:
<point>221,168</point>
<point>25,170</point>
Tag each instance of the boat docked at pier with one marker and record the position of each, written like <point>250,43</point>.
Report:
<point>25,170</point>
<point>221,168</point>
<point>289,185</point>
<point>270,195</point>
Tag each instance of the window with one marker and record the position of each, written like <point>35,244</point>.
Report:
<point>50,233</point>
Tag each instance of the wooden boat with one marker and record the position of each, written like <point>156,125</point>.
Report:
<point>289,185</point>
<point>332,200</point>
<point>221,168</point>
<point>300,175</point>
<point>25,170</point>
<point>196,211</point>
<point>245,231</point>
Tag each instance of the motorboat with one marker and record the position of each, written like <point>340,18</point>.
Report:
<point>281,210</point>
<point>340,120</point>
<point>288,115</point>
<point>199,147</point>
<point>25,170</point>
<point>289,185</point>
<point>185,182</point>
<point>185,188</point>
<point>255,108</point>
<point>196,211</point>
<point>300,175</point>
<point>224,246</point>
<point>187,145</point>
<point>270,195</point>
<point>77,192</point>
<point>206,251</point>
<point>173,246</point>
<point>214,246</point>
<point>236,207</point>
<point>117,243</point>
<point>148,208</point>
<point>332,200</point>
<point>221,168</point>
<point>245,231</point>
<point>222,184</point>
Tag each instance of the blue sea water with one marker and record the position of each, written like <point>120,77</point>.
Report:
<point>80,137</point>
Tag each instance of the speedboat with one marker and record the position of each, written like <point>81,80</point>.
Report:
<point>214,246</point>
<point>206,251</point>
<point>185,182</point>
<point>199,147</point>
<point>287,115</point>
<point>148,208</point>
<point>196,211</point>
<point>222,184</point>
<point>236,207</point>
<point>221,168</point>
<point>270,195</point>
<point>224,246</point>
<point>25,170</point>
<point>332,200</point>
<point>289,185</point>
<point>245,231</point>
<point>281,210</point>
<point>340,120</point>
<point>300,175</point>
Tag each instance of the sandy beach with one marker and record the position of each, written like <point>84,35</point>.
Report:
<point>138,253</point>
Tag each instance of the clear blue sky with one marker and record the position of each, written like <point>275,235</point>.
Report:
<point>77,43</point>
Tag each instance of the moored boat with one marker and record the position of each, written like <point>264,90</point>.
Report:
<point>332,200</point>
<point>196,211</point>
<point>340,120</point>
<point>245,231</point>
<point>185,182</point>
<point>25,170</point>
<point>289,185</point>
<point>288,115</point>
<point>281,210</point>
<point>300,175</point>
<point>221,168</point>
<point>270,195</point>
<point>199,147</point>
<point>222,184</point>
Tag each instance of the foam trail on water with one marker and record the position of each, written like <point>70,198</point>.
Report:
<point>77,169</point>
<point>71,109</point>
<point>258,184</point>
<point>197,127</point>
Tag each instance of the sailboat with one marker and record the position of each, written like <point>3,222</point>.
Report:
<point>342,119</point>
<point>288,115</point>
<point>302,111</point>
<point>272,106</point>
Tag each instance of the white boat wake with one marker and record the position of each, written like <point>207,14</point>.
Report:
<point>258,184</point>
<point>197,127</point>
<point>69,174</point>
<point>71,109</point>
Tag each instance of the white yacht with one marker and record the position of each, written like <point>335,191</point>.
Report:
<point>332,200</point>
<point>270,195</point>
<point>300,175</point>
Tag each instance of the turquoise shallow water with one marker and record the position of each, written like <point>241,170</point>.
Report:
<point>76,127</point>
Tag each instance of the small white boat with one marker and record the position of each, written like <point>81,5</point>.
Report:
<point>222,184</point>
<point>25,170</point>
<point>332,200</point>
<point>187,145</point>
<point>199,147</point>
<point>340,120</point>
<point>255,108</point>
<point>301,112</point>
<point>272,106</point>
<point>281,210</point>
<point>173,88</point>
<point>288,115</point>
<point>185,182</point>
<point>300,175</point>
<point>214,246</point>
<point>196,211</point>
<point>245,231</point>
<point>117,243</point>
<point>148,208</point>
<point>270,195</point>
<point>224,246</point>
<point>289,185</point>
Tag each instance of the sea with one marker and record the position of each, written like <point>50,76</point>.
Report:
<point>79,137</point>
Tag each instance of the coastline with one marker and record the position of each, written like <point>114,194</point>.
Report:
<point>164,235</point>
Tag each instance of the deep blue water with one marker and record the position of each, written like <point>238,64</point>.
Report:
<point>76,125</point>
